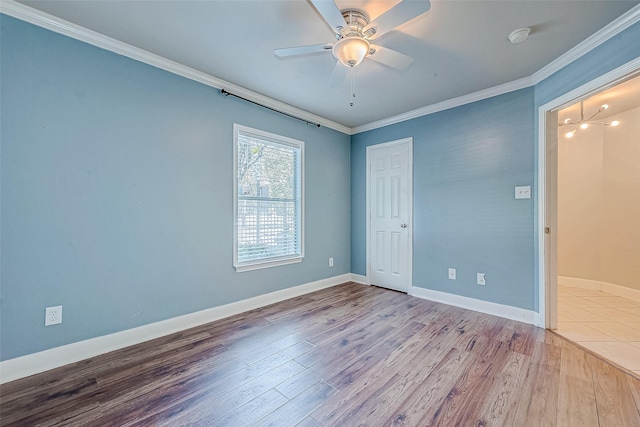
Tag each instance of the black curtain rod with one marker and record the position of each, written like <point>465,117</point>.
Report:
<point>226,93</point>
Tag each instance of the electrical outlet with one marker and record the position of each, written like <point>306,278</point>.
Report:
<point>330,262</point>
<point>52,315</point>
<point>452,274</point>
<point>481,279</point>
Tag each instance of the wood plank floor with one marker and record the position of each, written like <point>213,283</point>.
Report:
<point>350,355</point>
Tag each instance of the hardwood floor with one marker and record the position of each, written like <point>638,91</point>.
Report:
<point>350,355</point>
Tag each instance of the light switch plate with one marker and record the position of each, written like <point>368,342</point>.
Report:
<point>523,192</point>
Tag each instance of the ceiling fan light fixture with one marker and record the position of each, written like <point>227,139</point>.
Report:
<point>350,51</point>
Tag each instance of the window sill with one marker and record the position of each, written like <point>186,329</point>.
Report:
<point>267,264</point>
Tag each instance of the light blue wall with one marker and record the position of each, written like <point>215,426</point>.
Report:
<point>467,162</point>
<point>116,191</point>
<point>116,183</point>
<point>611,54</point>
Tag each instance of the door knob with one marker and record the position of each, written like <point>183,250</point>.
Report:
<point>403,225</point>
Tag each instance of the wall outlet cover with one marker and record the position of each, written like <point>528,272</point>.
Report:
<point>52,315</point>
<point>452,274</point>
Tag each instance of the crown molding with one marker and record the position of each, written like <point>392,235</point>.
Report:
<point>50,22</point>
<point>620,24</point>
<point>449,103</point>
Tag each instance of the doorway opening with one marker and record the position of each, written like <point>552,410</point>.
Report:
<point>590,216</point>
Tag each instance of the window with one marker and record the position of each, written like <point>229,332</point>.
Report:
<point>268,199</point>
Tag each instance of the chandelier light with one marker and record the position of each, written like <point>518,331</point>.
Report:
<point>585,123</point>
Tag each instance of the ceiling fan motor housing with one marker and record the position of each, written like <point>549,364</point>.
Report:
<point>356,20</point>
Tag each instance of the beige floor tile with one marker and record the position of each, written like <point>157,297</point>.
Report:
<point>634,325</point>
<point>616,330</point>
<point>606,314</point>
<point>621,353</point>
<point>575,301</point>
<point>564,308</point>
<point>607,324</point>
<point>578,331</point>
<point>613,301</point>
<point>634,311</point>
<point>581,314</point>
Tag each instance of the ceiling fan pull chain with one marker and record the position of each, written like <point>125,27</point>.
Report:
<point>352,92</point>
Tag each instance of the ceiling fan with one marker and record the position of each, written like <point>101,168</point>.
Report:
<point>354,34</point>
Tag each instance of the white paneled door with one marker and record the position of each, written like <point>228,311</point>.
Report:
<point>389,242</point>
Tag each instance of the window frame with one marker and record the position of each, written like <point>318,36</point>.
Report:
<point>277,139</point>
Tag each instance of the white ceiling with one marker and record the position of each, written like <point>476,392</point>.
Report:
<point>460,47</point>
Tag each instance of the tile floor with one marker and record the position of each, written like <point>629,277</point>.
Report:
<point>606,324</point>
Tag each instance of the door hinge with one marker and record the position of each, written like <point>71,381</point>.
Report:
<point>547,230</point>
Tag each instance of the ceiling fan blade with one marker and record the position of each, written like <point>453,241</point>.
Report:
<point>302,50</point>
<point>339,75</point>
<point>331,14</point>
<point>404,11</point>
<point>391,58</point>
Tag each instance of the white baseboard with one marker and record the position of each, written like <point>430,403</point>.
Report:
<point>358,278</point>
<point>506,311</point>
<point>537,320</point>
<point>594,285</point>
<point>42,361</point>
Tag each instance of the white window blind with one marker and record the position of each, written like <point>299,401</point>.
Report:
<point>268,199</point>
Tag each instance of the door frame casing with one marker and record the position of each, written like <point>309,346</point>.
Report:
<point>409,142</point>
<point>547,188</point>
